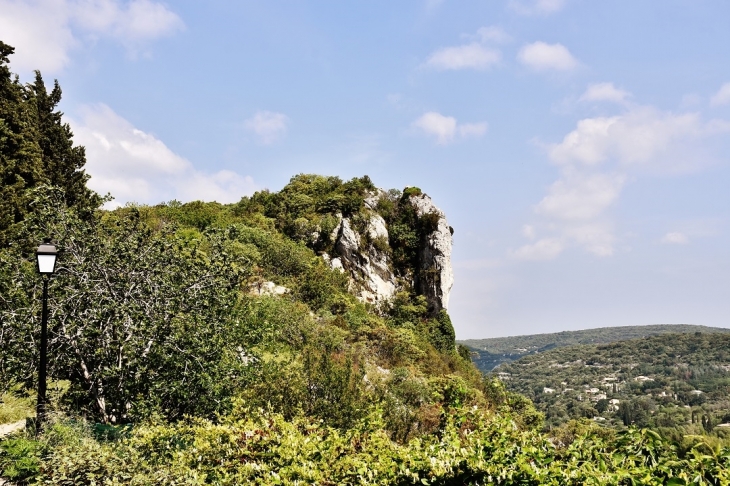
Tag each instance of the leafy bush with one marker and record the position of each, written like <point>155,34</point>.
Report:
<point>470,447</point>
<point>20,458</point>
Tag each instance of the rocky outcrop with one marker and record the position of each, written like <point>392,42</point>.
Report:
<point>436,275</point>
<point>365,257</point>
<point>372,275</point>
<point>267,288</point>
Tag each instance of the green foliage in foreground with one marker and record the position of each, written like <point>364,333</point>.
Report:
<point>254,447</point>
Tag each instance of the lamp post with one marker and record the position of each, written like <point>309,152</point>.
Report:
<point>46,258</point>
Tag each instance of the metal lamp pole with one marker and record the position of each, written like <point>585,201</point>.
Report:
<point>46,259</point>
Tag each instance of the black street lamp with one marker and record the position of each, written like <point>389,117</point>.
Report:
<point>46,258</point>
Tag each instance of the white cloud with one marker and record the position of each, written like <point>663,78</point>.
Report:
<point>596,160</point>
<point>596,238</point>
<point>493,34</point>
<point>642,136</point>
<point>44,32</point>
<point>135,166</point>
<point>467,130</point>
<point>722,97</point>
<point>440,126</point>
<point>541,56</point>
<point>446,128</point>
<point>580,197</point>
<point>544,249</point>
<point>605,92</point>
<point>268,126</point>
<point>528,231</point>
<point>675,238</point>
<point>131,24</point>
<point>433,4</point>
<point>535,7</point>
<point>40,33</point>
<point>469,56</point>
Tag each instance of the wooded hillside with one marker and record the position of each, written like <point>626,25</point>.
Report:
<point>678,384</point>
<point>490,353</point>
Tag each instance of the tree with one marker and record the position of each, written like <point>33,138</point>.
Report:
<point>140,320</point>
<point>63,163</point>
<point>20,156</point>
<point>36,148</point>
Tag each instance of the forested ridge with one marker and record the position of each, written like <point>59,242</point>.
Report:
<point>203,343</point>
<point>678,384</point>
<point>490,353</point>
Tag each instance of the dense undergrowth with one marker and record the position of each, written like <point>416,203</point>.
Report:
<point>257,447</point>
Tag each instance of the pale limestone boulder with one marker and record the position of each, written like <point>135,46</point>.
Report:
<point>268,288</point>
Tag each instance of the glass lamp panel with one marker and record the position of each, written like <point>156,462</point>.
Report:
<point>46,263</point>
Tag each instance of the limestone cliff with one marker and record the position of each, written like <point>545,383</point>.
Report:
<point>366,255</point>
<point>436,276</point>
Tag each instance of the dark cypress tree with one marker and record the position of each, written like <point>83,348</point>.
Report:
<point>36,148</point>
<point>63,162</point>
<point>21,164</point>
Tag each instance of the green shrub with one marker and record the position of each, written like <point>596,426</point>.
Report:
<point>411,191</point>
<point>429,222</point>
<point>441,332</point>
<point>20,458</point>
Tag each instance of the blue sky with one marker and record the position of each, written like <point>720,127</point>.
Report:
<point>580,149</point>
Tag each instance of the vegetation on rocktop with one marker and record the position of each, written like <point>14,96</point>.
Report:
<point>203,343</point>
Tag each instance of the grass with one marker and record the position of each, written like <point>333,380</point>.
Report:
<point>15,406</point>
<point>18,404</point>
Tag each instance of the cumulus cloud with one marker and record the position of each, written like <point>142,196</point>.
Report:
<point>596,160</point>
<point>135,166</point>
<point>493,33</point>
<point>528,231</point>
<point>467,130</point>
<point>675,238</point>
<point>541,56</point>
<point>469,56</point>
<point>605,92</point>
<point>475,55</point>
<point>440,126</point>
<point>722,97</point>
<point>446,129</point>
<point>544,249</point>
<point>596,237</point>
<point>44,32</point>
<point>268,126</point>
<point>536,7</point>
<point>580,197</point>
<point>642,136</point>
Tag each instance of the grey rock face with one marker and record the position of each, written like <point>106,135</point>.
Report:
<point>436,276</point>
<point>372,276</point>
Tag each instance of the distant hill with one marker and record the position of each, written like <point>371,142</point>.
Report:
<point>677,382</point>
<point>490,353</point>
